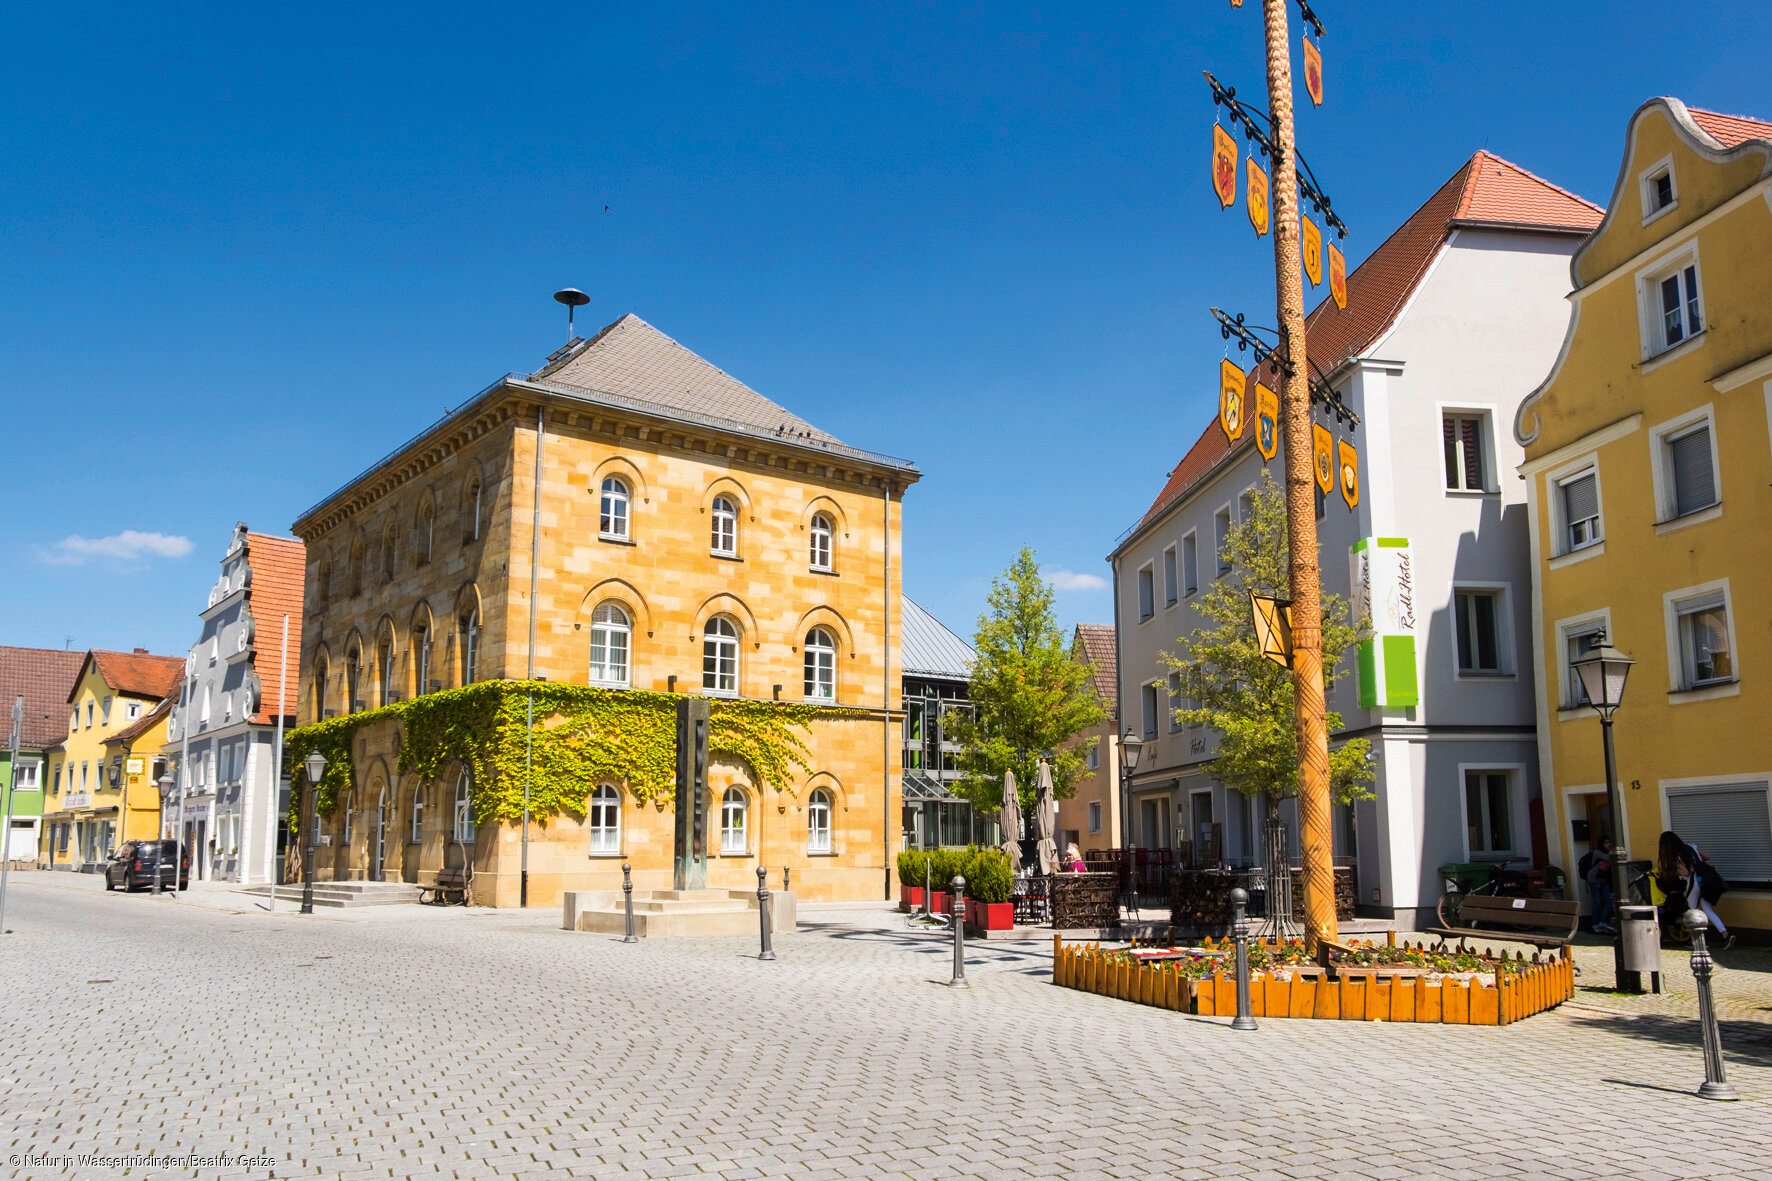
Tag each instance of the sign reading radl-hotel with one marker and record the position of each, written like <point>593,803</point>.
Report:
<point>693,537</point>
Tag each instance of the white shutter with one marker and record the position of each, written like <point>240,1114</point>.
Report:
<point>1730,823</point>
<point>1694,481</point>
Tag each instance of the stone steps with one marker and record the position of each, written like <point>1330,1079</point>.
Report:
<point>347,894</point>
<point>675,913</point>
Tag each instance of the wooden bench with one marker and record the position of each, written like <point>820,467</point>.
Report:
<point>1542,922</point>
<point>450,882</point>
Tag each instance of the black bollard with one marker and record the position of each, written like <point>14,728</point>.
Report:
<point>1714,1086</point>
<point>768,952</point>
<point>627,899</point>
<point>958,915</point>
<point>1240,932</point>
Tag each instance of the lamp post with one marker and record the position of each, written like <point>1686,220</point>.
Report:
<point>1603,672</point>
<point>315,766</point>
<point>1131,749</point>
<point>165,782</point>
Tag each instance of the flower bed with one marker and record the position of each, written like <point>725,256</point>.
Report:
<point>1372,983</point>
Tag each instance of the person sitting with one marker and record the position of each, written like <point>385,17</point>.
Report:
<point>1073,859</point>
<point>1595,869</point>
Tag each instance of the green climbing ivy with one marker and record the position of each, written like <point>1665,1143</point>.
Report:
<point>582,736</point>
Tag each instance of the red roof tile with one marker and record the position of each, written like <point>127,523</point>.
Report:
<point>137,673</point>
<point>1094,643</point>
<point>1730,130</point>
<point>44,676</point>
<point>142,724</point>
<point>279,576</point>
<point>1486,190</point>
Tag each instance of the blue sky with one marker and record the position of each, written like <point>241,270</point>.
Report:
<point>247,250</point>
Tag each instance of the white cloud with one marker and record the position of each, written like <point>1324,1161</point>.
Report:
<point>1070,580</point>
<point>127,546</point>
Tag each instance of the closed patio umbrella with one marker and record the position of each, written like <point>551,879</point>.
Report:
<point>1045,815</point>
<point>1010,818</point>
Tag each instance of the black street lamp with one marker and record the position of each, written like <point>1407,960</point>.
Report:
<point>315,766</point>
<point>1603,672</point>
<point>165,782</point>
<point>1131,749</point>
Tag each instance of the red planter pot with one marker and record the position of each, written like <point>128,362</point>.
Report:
<point>939,902</point>
<point>913,896</point>
<point>990,916</point>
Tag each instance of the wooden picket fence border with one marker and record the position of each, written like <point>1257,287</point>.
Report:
<point>1380,997</point>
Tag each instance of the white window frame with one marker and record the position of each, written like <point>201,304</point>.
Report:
<point>1504,630</point>
<point>724,647</point>
<point>1661,439</point>
<point>463,817</point>
<point>1146,589</point>
<point>604,837</point>
<point>820,681</point>
<point>723,527</point>
<point>822,542</point>
<point>1487,466</point>
<point>1562,552</point>
<point>1646,189</point>
<point>1094,816</point>
<point>1190,563</point>
<point>1680,689</point>
<point>27,775</point>
<point>1567,707</point>
<point>1171,577</point>
<point>1221,563</point>
<point>615,509</point>
<point>603,631</point>
<point>735,838</point>
<point>416,834</point>
<point>818,836</point>
<point>1651,326</point>
<point>1517,819</point>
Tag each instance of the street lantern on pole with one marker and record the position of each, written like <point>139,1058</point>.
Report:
<point>1603,672</point>
<point>165,782</point>
<point>1131,749</point>
<point>315,766</point>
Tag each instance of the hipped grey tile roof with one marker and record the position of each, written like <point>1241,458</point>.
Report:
<point>929,648</point>
<point>633,359</point>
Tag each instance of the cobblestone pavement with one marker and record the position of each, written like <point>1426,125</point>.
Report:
<point>460,1044</point>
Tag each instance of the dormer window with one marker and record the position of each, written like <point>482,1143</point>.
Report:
<point>1657,182</point>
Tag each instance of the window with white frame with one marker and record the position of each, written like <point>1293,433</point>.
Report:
<point>470,648</point>
<point>1094,817</point>
<point>821,541</point>
<point>1190,564</point>
<point>1092,758</point>
<point>1578,641</point>
<point>1147,593</point>
<point>818,822</point>
<point>1171,589</point>
<point>719,656</point>
<point>1702,627</point>
<point>132,711</point>
<point>1477,615</point>
<point>1221,537</point>
<point>1688,475</point>
<point>1730,823</point>
<point>104,713</point>
<point>724,540</point>
<point>612,519</point>
<point>421,661</point>
<point>605,820</point>
<point>1150,711</point>
<point>417,834</point>
<point>1246,505</point>
<point>1466,452</point>
<point>611,632</point>
<point>25,775</point>
<point>733,810</point>
<point>464,815</point>
<point>821,665</point>
<point>1488,813</point>
<point>1579,498</point>
<point>1658,189</point>
<point>1674,304</point>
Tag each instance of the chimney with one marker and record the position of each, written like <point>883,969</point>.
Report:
<point>141,651</point>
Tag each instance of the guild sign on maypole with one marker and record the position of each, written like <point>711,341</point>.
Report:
<point>1230,399</point>
<point>1257,189</point>
<point>1310,451</point>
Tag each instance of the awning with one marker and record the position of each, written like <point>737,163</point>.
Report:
<point>918,786</point>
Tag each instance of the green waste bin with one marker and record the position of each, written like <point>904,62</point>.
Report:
<point>1467,875</point>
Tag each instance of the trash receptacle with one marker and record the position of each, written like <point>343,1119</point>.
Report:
<point>1640,934</point>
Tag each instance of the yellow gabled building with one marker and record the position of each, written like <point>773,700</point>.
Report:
<point>1649,463</point>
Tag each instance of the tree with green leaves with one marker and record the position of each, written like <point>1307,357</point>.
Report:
<point>1246,697</point>
<point>1030,698</point>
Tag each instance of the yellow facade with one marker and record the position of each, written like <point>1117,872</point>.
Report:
<point>86,782</point>
<point>424,563</point>
<point>1648,456</point>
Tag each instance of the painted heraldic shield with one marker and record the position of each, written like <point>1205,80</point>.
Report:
<point>1338,277</point>
<point>1224,165</point>
<point>1230,399</point>
<point>1313,72</point>
<point>1310,241</point>
<point>1267,421</point>
<point>1257,196</point>
<point>1350,472</point>
<point>1323,457</point>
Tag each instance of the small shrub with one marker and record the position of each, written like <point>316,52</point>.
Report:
<point>910,867</point>
<point>988,876</point>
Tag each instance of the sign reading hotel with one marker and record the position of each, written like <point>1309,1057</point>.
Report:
<point>1384,596</point>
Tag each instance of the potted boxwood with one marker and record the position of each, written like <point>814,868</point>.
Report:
<point>988,882</point>
<point>910,878</point>
<point>943,865</point>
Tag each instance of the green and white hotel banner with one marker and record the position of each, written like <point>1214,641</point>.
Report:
<point>1384,592</point>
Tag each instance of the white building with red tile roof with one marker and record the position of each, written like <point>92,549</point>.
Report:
<point>1449,323</point>
<point>241,677</point>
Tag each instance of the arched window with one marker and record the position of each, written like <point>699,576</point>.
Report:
<point>464,817</point>
<point>613,519</point>
<point>384,660</point>
<point>320,672</point>
<point>719,656</point>
<point>732,823</point>
<point>390,548</point>
<point>421,660</point>
<point>425,535</point>
<point>610,633</point>
<point>818,822</point>
<point>353,675</point>
<point>821,541</point>
<point>323,585</point>
<point>470,645</point>
<point>605,819</point>
<point>418,815</point>
<point>350,826</point>
<point>357,566</point>
<point>725,532</point>
<point>821,665</point>
<point>471,507</point>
